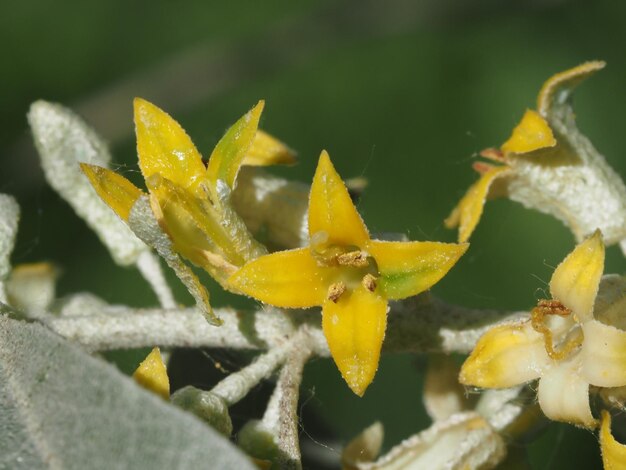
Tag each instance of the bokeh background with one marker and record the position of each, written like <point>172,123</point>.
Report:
<point>403,93</point>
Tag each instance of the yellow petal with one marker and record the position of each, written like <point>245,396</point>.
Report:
<point>408,268</point>
<point>532,133</point>
<point>151,374</point>
<point>564,395</point>
<point>230,151</point>
<point>288,279</point>
<point>118,193</point>
<point>331,211</point>
<point>268,150</point>
<point>191,223</point>
<point>604,355</point>
<point>467,213</point>
<point>613,452</point>
<point>354,327</point>
<point>575,281</point>
<point>556,89</point>
<point>163,147</point>
<point>505,356</point>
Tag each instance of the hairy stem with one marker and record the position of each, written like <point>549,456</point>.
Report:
<point>421,324</point>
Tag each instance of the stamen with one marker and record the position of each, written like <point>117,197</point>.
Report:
<point>356,259</point>
<point>492,154</point>
<point>537,321</point>
<point>369,282</point>
<point>335,291</point>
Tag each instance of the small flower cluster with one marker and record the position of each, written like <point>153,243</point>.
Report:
<point>574,344</point>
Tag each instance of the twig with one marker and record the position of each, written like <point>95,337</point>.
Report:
<point>421,324</point>
<point>281,414</point>
<point>237,385</point>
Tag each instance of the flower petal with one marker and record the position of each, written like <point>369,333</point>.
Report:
<point>408,268</point>
<point>556,90</point>
<point>463,441</point>
<point>505,356</point>
<point>191,223</point>
<point>151,374</point>
<point>354,327</point>
<point>611,301</point>
<point>230,151</point>
<point>331,210</point>
<point>467,213</point>
<point>268,150</point>
<point>143,221</point>
<point>564,395</point>
<point>613,452</point>
<point>532,133</point>
<point>575,281</point>
<point>164,147</point>
<point>119,193</point>
<point>363,448</point>
<point>603,354</point>
<point>289,279</point>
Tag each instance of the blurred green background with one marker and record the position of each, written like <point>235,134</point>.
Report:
<point>403,93</point>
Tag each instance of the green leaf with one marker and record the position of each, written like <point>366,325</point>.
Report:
<point>61,408</point>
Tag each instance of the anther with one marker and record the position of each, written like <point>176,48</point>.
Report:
<point>369,282</point>
<point>335,291</point>
<point>356,259</point>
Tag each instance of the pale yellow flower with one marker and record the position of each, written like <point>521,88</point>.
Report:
<point>548,165</point>
<point>572,342</point>
<point>347,273</point>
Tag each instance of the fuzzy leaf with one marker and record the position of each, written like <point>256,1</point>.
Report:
<point>53,396</point>
<point>64,140</point>
<point>9,217</point>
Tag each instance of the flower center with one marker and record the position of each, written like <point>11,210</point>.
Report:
<point>352,266</point>
<point>538,317</point>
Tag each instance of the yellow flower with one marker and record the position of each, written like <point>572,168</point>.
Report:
<point>346,272</point>
<point>190,199</point>
<point>575,340</point>
<point>152,374</point>
<point>549,166</point>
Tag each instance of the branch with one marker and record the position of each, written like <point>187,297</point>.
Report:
<point>420,324</point>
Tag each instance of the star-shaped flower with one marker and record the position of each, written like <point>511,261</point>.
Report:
<point>549,166</point>
<point>575,340</point>
<point>190,198</point>
<point>346,272</point>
